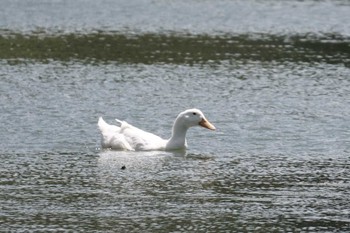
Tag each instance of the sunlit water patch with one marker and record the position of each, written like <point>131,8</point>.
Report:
<point>266,107</point>
<point>196,17</point>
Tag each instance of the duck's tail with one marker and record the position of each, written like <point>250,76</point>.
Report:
<point>104,127</point>
<point>111,137</point>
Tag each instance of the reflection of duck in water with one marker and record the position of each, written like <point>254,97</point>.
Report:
<point>128,137</point>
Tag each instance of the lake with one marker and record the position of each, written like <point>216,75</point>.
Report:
<point>272,76</point>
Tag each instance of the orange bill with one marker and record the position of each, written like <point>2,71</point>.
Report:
<point>206,124</point>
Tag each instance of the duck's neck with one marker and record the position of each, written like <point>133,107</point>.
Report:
<point>178,136</point>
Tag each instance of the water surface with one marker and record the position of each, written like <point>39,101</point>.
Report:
<point>276,89</point>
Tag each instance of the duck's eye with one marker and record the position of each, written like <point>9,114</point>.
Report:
<point>194,113</point>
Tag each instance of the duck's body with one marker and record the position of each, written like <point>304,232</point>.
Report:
<point>128,137</point>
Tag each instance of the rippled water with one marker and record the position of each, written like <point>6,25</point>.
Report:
<point>278,93</point>
<point>194,17</point>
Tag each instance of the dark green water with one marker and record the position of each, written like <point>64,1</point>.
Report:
<point>175,49</point>
<point>272,76</point>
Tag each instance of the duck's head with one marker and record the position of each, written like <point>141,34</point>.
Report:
<point>194,117</point>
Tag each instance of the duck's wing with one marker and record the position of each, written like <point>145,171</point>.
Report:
<point>112,137</point>
<point>139,139</point>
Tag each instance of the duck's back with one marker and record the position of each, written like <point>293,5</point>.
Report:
<point>139,139</point>
<point>128,137</point>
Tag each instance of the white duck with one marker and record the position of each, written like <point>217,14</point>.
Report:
<point>128,137</point>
